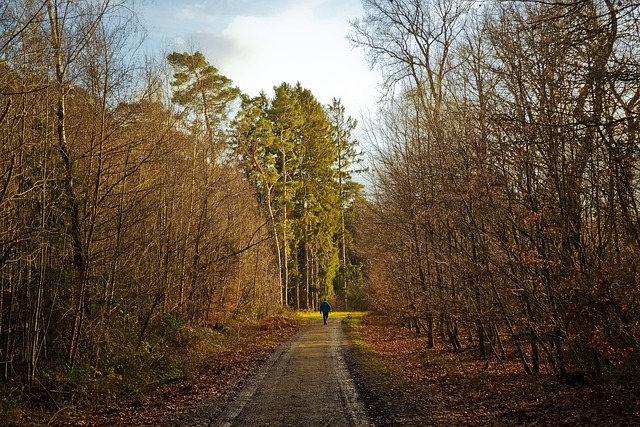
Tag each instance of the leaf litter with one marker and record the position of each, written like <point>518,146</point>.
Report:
<point>406,384</point>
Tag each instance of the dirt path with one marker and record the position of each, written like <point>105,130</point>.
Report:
<point>304,383</point>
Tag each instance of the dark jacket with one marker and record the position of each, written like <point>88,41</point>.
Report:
<point>325,307</point>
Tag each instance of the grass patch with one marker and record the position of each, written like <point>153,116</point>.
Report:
<point>10,406</point>
<point>318,315</point>
<point>369,358</point>
<point>353,332</point>
<point>353,322</point>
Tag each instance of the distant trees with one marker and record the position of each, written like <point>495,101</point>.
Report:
<point>504,177</point>
<point>348,282</point>
<point>300,171</point>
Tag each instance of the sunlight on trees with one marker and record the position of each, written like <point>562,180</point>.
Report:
<point>129,210</point>
<point>504,180</point>
<point>119,212</point>
<point>502,210</point>
<point>300,171</point>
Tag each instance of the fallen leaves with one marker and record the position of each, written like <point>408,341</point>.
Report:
<point>419,386</point>
<point>220,375</point>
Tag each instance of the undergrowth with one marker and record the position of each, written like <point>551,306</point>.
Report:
<point>127,370</point>
<point>412,385</point>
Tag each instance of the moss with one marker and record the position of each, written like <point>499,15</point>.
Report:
<point>368,357</point>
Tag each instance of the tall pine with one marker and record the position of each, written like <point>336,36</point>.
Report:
<point>290,151</point>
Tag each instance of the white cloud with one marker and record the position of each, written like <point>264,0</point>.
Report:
<point>262,44</point>
<point>295,45</point>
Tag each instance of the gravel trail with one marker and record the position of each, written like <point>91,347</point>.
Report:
<point>305,382</point>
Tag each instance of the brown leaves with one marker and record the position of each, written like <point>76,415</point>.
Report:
<point>277,322</point>
<point>443,388</point>
<point>219,376</point>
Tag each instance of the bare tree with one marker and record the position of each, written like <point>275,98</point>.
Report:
<point>501,200</point>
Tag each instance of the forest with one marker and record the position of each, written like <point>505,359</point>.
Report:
<point>505,199</point>
<point>144,199</point>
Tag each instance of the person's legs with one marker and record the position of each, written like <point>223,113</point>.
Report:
<point>324,317</point>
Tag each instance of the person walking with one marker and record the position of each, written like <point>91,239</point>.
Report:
<point>325,309</point>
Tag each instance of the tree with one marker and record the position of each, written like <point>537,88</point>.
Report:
<point>412,42</point>
<point>203,91</point>
<point>254,146</point>
<point>348,157</point>
<point>206,97</point>
<point>494,195</point>
<point>287,148</point>
<point>119,211</point>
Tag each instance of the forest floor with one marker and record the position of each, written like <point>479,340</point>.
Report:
<point>405,384</point>
<point>400,383</point>
<point>218,379</point>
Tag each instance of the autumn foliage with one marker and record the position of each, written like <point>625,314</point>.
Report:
<point>504,203</point>
<point>406,384</point>
<point>146,205</point>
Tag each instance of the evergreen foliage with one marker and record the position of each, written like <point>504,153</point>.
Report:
<point>289,148</point>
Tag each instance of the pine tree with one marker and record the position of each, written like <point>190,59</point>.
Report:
<point>341,128</point>
<point>299,155</point>
<point>254,146</point>
<point>204,92</point>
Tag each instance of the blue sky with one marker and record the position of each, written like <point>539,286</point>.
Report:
<point>262,43</point>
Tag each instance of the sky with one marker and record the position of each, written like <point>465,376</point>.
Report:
<point>260,44</point>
